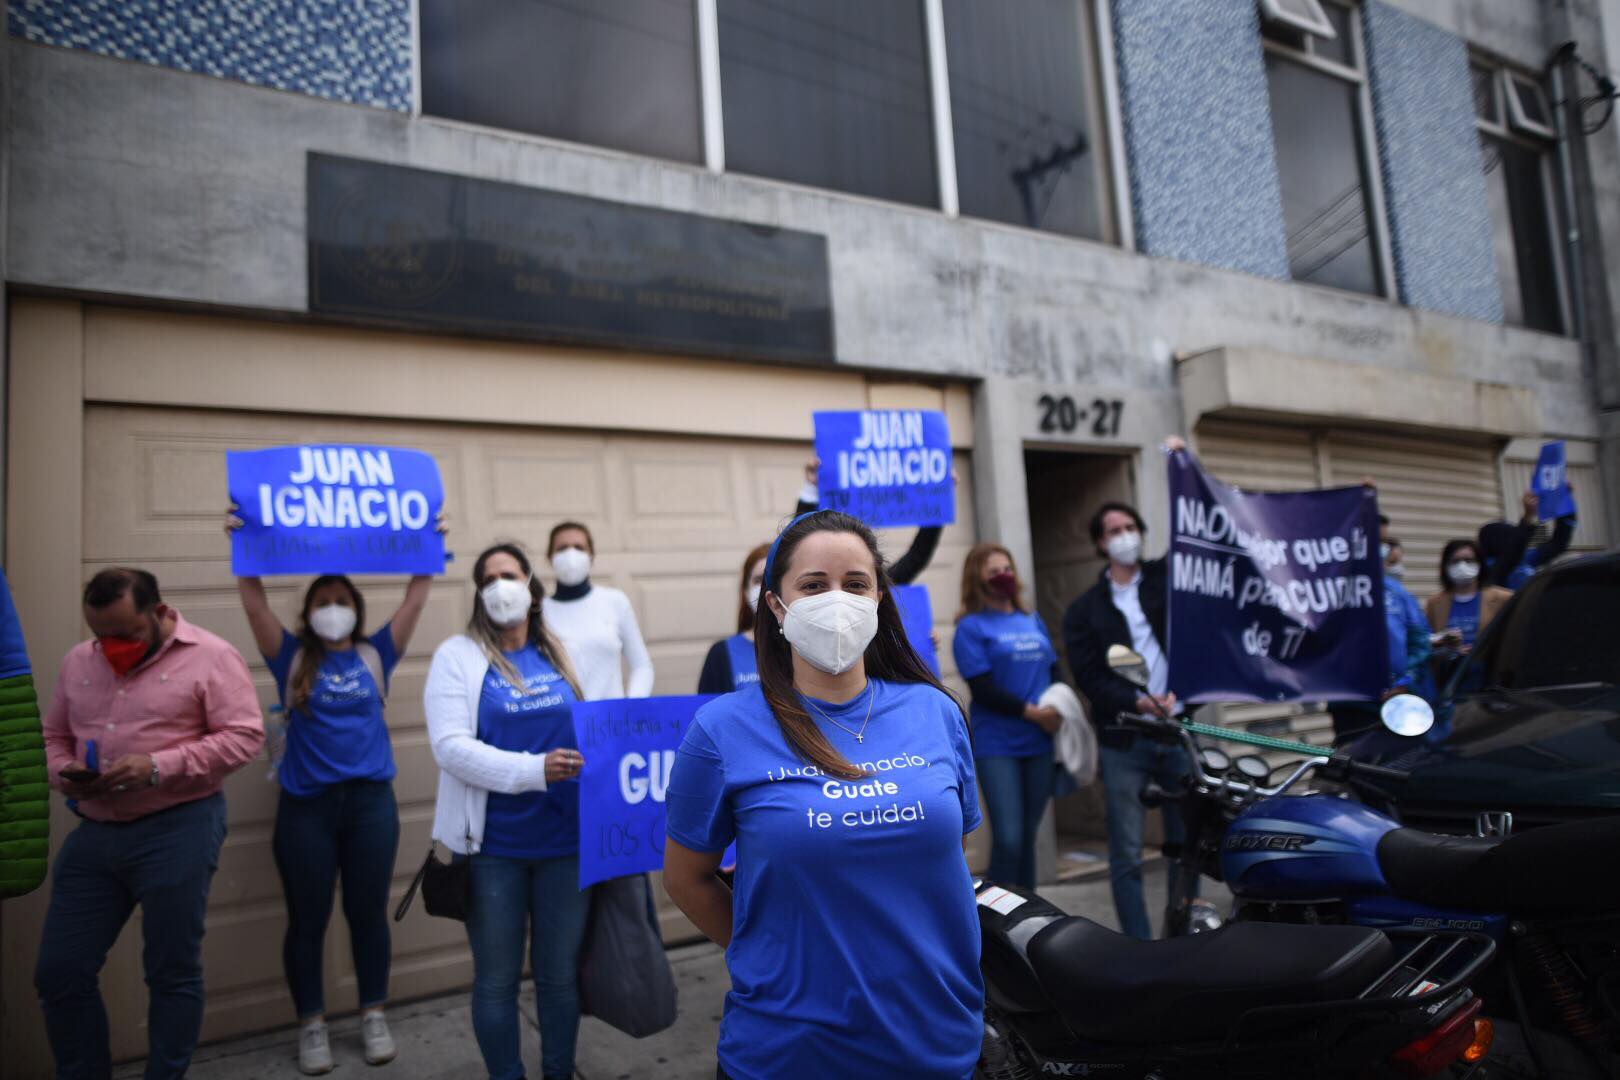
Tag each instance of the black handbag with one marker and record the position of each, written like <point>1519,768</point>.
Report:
<point>446,888</point>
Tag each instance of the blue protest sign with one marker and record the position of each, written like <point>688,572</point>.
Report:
<point>629,748</point>
<point>1273,596</point>
<point>335,509</point>
<point>886,467</point>
<point>917,615</point>
<point>1554,499</point>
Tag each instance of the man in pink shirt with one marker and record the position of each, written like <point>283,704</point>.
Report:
<point>147,720</point>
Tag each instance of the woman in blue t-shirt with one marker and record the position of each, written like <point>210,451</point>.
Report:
<point>336,817</point>
<point>499,702</point>
<point>730,663</point>
<point>845,777</point>
<point>1005,655</point>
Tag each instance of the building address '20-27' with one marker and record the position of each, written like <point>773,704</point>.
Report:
<point>1061,414</point>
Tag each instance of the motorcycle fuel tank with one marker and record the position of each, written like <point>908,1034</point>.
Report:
<point>1304,847</point>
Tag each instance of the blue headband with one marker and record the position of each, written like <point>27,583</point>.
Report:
<point>770,556</point>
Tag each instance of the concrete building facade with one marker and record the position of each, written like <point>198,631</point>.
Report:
<point>1265,225</point>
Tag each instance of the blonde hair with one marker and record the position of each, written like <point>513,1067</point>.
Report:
<point>482,629</point>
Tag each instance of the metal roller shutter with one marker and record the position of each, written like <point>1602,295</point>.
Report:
<point>1433,490</point>
<point>1258,457</point>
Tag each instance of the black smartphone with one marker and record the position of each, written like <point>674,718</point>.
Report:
<point>80,776</point>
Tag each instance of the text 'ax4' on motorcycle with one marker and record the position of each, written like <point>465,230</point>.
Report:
<point>1549,897</point>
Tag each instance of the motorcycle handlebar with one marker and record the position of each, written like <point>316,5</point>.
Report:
<point>1156,727</point>
<point>1341,767</point>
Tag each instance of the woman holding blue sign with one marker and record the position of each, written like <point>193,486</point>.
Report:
<point>730,663</point>
<point>846,779</point>
<point>499,704</point>
<point>1004,653</point>
<point>337,817</point>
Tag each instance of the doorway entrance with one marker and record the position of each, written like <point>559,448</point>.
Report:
<point>1064,489</point>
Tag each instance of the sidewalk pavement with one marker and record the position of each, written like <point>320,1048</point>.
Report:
<point>435,1036</point>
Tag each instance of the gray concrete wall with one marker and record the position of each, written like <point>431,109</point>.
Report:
<point>130,180</point>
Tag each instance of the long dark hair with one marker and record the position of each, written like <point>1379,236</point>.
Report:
<point>312,650</point>
<point>889,657</point>
<point>1449,553</point>
<point>745,614</point>
<point>482,629</point>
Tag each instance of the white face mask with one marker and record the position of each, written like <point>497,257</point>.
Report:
<point>1463,572</point>
<point>753,597</point>
<point>831,630</point>
<point>1125,548</point>
<point>571,566</point>
<point>1396,570</point>
<point>1384,550</point>
<point>332,622</point>
<point>506,602</point>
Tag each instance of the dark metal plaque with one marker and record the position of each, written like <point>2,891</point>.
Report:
<point>428,248</point>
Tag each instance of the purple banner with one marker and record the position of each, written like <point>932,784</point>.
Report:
<point>1273,596</point>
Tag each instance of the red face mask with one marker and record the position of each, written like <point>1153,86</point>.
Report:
<point>124,653</point>
<point>1006,584</point>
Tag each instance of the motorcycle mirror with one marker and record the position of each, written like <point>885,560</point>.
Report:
<point>1214,761</point>
<point>1407,714</point>
<point>1253,768</point>
<point>1128,664</point>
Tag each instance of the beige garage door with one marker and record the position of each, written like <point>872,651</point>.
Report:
<point>672,516</point>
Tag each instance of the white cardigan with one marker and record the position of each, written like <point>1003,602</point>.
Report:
<point>468,768</point>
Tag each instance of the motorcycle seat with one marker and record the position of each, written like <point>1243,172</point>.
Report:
<point>1115,989</point>
<point>1553,869</point>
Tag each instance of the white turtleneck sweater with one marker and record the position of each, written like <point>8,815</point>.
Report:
<point>600,632</point>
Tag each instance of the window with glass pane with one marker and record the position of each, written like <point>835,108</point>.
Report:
<point>1326,205</point>
<point>615,73</point>
<point>1029,148</point>
<point>1516,180</point>
<point>833,94</point>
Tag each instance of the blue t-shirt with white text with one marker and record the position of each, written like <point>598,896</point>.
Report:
<point>339,734</point>
<point>1465,617</point>
<point>1012,647</point>
<point>855,942</point>
<point>537,718</point>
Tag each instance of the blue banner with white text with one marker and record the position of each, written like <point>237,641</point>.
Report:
<point>1554,499</point>
<point>335,509</point>
<point>1274,596</point>
<point>629,748</point>
<point>886,466</point>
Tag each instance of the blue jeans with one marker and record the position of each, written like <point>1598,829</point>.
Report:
<point>1124,772</point>
<point>348,831</point>
<point>1016,791</point>
<point>510,896</point>
<point>164,862</point>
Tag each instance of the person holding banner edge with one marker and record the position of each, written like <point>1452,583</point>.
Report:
<point>846,779</point>
<point>499,715</point>
<point>336,817</point>
<point>1003,651</point>
<point>730,664</point>
<point>1128,606</point>
<point>595,624</point>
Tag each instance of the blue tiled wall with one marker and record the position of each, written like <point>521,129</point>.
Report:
<point>347,50</point>
<point>1198,133</point>
<point>1434,188</point>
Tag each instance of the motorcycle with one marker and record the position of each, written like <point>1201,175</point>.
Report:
<point>1549,898</point>
<point>1067,997</point>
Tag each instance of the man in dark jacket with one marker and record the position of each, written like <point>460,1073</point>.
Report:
<point>1127,607</point>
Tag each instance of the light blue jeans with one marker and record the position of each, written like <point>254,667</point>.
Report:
<point>510,897</point>
<point>1124,772</point>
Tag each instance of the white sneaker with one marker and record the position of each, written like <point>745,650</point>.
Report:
<point>314,1052</point>
<point>379,1044</point>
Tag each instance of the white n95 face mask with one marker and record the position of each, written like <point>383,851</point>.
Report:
<point>753,597</point>
<point>1126,548</point>
<point>332,622</point>
<point>571,566</point>
<point>506,602</point>
<point>1464,571</point>
<point>831,630</point>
